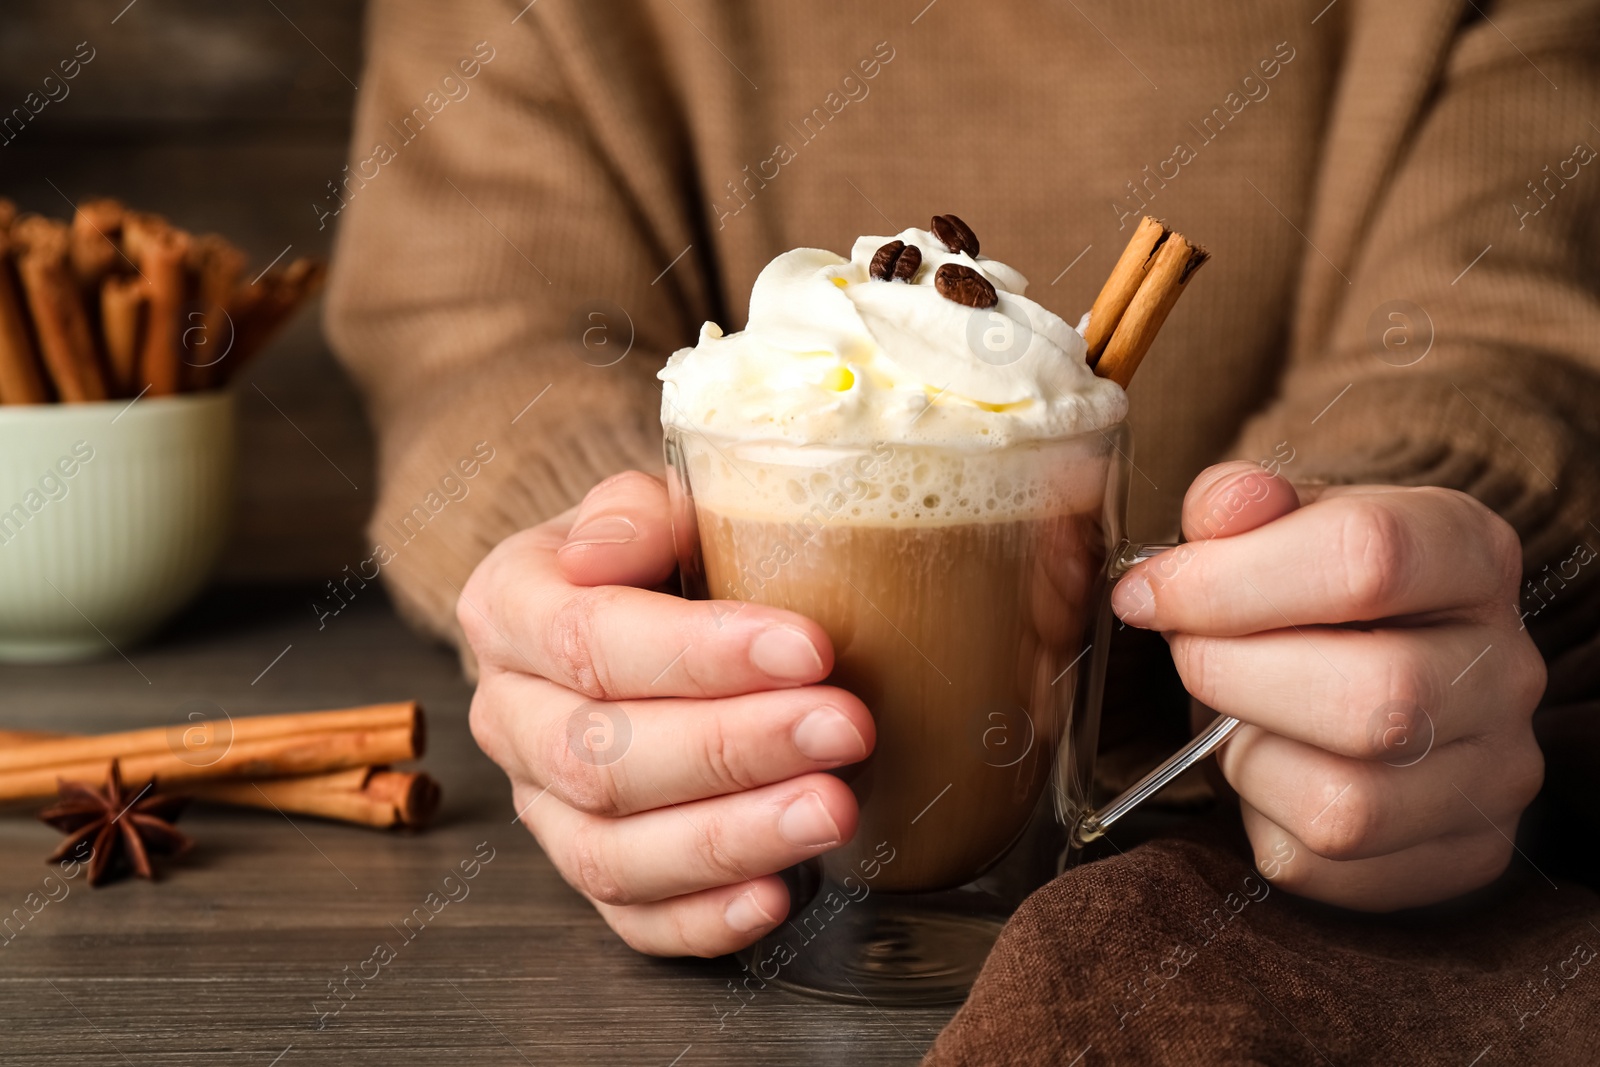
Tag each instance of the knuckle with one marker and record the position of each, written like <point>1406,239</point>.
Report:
<point>1505,550</point>
<point>1398,726</point>
<point>699,674</point>
<point>633,936</point>
<point>689,936</point>
<point>579,783</point>
<point>720,863</point>
<point>573,642</point>
<point>1407,684</point>
<point>592,869</point>
<point>1286,868</point>
<point>722,759</point>
<point>471,621</point>
<point>1525,775</point>
<point>1340,819</point>
<point>1528,677</point>
<point>1501,542</point>
<point>481,722</point>
<point>1196,660</point>
<point>1375,554</point>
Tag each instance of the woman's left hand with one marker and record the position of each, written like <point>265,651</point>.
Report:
<point>1369,639</point>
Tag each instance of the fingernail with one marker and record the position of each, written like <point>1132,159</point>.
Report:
<point>786,653</point>
<point>807,823</point>
<point>828,737</point>
<point>745,915</point>
<point>1133,600</point>
<point>603,530</point>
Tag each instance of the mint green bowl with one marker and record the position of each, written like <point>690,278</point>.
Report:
<point>111,518</point>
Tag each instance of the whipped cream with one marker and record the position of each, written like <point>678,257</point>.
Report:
<point>833,356</point>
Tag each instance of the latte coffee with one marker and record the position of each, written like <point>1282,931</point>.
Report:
<point>905,448</point>
<point>953,620</point>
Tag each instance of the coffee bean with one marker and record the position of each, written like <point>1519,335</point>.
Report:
<point>965,286</point>
<point>956,235</point>
<point>895,261</point>
<point>905,268</point>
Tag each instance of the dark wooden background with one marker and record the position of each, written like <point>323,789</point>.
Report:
<point>229,117</point>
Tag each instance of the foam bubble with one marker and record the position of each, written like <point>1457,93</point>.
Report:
<point>902,485</point>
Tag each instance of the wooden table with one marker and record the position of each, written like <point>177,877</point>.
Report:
<point>232,957</point>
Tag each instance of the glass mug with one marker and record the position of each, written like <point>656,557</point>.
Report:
<point>966,595</point>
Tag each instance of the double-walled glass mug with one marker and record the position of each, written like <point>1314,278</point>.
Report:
<point>965,591</point>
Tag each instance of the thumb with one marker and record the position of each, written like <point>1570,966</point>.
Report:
<point>620,535</point>
<point>1235,497</point>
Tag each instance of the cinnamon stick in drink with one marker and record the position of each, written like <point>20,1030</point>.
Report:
<point>56,305</point>
<point>1122,284</point>
<point>21,379</point>
<point>1175,262</point>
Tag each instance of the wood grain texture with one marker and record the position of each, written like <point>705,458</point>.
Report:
<point>229,958</point>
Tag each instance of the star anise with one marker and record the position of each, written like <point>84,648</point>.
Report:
<point>125,827</point>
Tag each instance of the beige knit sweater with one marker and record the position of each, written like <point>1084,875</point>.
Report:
<point>1400,197</point>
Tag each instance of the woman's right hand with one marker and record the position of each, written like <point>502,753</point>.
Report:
<point>667,754</point>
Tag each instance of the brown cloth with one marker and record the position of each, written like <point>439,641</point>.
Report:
<point>1180,952</point>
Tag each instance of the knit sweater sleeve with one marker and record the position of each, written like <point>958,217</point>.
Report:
<point>498,289</point>
<point>1465,351</point>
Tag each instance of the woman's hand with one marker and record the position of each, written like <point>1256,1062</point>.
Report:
<point>1369,639</point>
<point>667,754</point>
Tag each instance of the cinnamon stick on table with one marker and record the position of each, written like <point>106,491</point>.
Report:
<point>21,379</point>
<point>265,746</point>
<point>59,319</point>
<point>369,796</point>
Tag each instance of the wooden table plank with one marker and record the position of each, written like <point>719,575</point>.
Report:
<point>230,959</point>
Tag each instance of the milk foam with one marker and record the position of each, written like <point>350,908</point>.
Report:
<point>894,485</point>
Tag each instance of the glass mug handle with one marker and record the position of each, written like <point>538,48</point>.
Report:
<point>1093,823</point>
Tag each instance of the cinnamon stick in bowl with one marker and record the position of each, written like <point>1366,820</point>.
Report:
<point>59,320</point>
<point>217,266</point>
<point>21,379</point>
<point>160,250</point>
<point>123,302</point>
<point>95,227</point>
